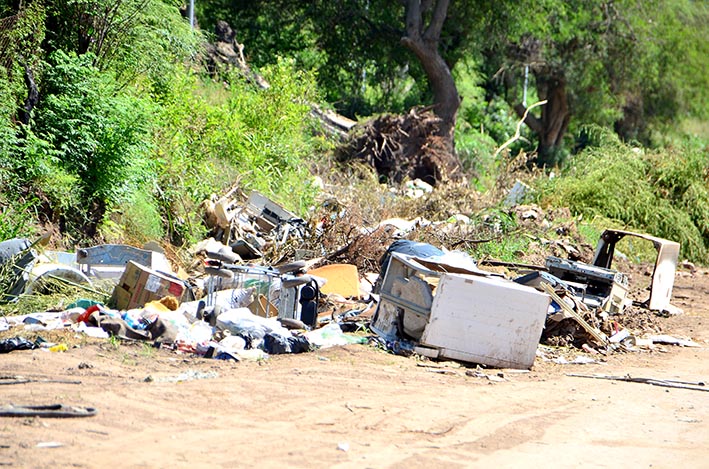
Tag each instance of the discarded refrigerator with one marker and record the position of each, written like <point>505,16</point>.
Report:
<point>473,317</point>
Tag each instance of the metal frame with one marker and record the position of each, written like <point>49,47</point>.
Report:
<point>663,274</point>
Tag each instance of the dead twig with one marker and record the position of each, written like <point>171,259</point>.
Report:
<point>517,134</point>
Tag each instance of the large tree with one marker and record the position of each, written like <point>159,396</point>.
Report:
<point>620,64</point>
<point>368,53</point>
<point>424,23</point>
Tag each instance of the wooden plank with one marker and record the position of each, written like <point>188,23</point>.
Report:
<point>600,337</point>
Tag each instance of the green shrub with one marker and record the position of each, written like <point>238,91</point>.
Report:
<point>211,137</point>
<point>663,192</point>
<point>137,220</point>
<point>15,218</point>
<point>98,132</point>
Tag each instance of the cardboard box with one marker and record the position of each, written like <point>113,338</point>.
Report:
<point>140,285</point>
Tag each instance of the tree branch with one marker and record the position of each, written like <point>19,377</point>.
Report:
<point>525,116</point>
<point>413,20</point>
<point>529,119</point>
<point>433,32</point>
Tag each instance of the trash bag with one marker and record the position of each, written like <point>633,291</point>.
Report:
<point>275,345</point>
<point>241,321</point>
<point>331,335</point>
<point>16,343</point>
<point>299,344</point>
<point>405,246</point>
<point>411,248</point>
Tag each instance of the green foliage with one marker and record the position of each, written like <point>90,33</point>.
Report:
<point>354,46</point>
<point>26,35</point>
<point>211,137</point>
<point>15,219</point>
<point>663,193</point>
<point>96,132</point>
<point>7,130</point>
<point>137,220</point>
<point>627,65</point>
<point>156,47</point>
<point>499,229</point>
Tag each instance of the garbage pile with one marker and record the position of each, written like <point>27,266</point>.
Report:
<point>232,304</point>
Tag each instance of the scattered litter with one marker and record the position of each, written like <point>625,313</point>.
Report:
<point>332,335</point>
<point>49,444</point>
<point>670,340</point>
<point>619,336</point>
<point>343,446</point>
<point>478,373</point>
<point>579,360</point>
<point>441,371</point>
<point>517,194</point>
<point>91,331</point>
<point>189,375</point>
<point>426,301</point>
<point>58,348</point>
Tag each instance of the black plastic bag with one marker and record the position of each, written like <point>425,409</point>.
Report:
<point>16,343</point>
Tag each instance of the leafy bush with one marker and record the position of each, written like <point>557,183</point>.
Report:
<point>8,139</point>
<point>93,131</point>
<point>662,192</point>
<point>211,137</point>
<point>138,220</point>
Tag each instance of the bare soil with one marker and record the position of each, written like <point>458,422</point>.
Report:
<point>357,406</point>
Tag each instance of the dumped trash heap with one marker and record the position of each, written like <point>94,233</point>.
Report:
<point>232,304</point>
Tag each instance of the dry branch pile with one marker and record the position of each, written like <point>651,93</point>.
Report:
<point>404,147</point>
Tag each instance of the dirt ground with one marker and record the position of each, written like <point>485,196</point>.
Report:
<point>356,406</point>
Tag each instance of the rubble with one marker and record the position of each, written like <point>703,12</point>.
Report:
<point>267,282</point>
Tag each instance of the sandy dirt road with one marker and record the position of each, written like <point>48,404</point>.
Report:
<point>357,406</point>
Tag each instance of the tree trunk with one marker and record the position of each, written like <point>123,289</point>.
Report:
<point>423,41</point>
<point>32,95</point>
<point>554,122</point>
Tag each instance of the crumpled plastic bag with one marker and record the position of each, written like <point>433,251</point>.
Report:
<point>332,335</point>
<point>241,321</point>
<point>16,343</point>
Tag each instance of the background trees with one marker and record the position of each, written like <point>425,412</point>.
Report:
<point>629,64</point>
<point>110,122</point>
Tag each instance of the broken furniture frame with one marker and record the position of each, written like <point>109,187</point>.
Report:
<point>599,287</point>
<point>608,288</point>
<point>663,274</point>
